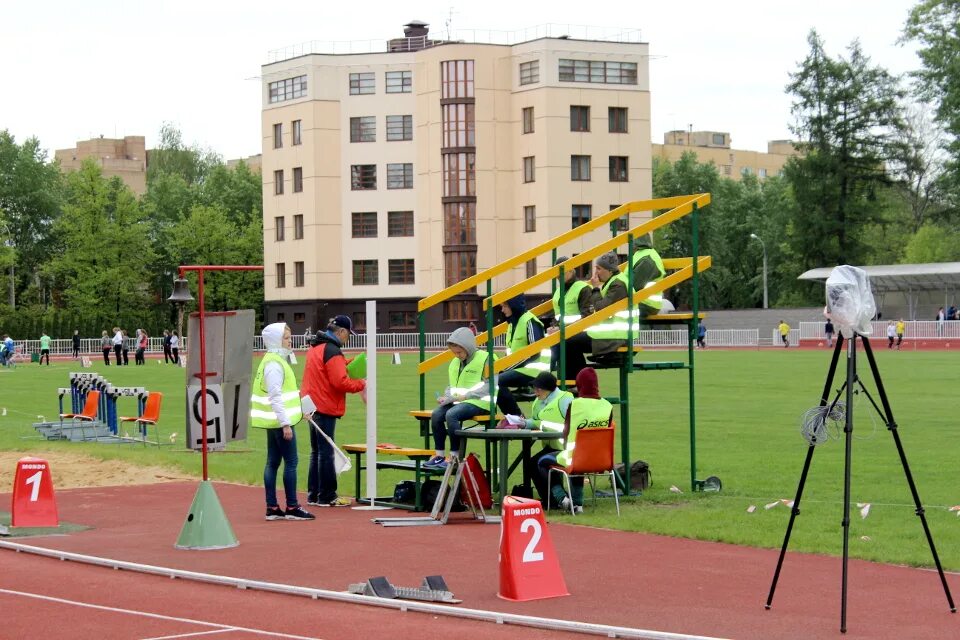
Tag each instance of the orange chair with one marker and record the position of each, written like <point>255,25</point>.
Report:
<point>87,414</point>
<point>151,414</point>
<point>592,456</point>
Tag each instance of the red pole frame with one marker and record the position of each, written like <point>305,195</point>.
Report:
<point>201,269</point>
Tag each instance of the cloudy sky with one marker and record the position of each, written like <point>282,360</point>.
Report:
<point>74,70</point>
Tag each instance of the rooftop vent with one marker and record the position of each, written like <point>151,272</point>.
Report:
<point>414,37</point>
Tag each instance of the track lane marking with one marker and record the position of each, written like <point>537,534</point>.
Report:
<point>191,635</point>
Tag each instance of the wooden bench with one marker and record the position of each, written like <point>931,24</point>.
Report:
<point>423,417</point>
<point>414,462</point>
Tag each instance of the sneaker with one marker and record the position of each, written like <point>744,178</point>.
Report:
<point>337,502</point>
<point>274,513</point>
<point>566,505</point>
<point>434,461</point>
<point>313,502</point>
<point>297,513</point>
<point>577,509</point>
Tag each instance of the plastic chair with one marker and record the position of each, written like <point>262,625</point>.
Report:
<point>151,414</point>
<point>592,456</point>
<point>87,414</point>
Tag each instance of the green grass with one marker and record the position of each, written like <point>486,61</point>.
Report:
<point>749,405</point>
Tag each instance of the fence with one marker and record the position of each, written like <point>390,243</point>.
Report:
<point>914,329</point>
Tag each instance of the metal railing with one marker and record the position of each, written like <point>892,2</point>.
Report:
<point>913,330</point>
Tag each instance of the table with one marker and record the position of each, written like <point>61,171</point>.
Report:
<point>500,440</point>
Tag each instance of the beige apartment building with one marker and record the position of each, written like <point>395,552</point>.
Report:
<point>125,158</point>
<point>714,146</point>
<point>391,175</point>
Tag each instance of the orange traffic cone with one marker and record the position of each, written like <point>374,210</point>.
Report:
<point>34,504</point>
<point>529,569</point>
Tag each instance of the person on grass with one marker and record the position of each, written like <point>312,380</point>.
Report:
<point>901,328</point>
<point>106,345</point>
<point>784,329</point>
<point>76,344</point>
<point>44,348</point>
<point>275,408</point>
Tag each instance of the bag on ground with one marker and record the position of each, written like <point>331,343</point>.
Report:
<point>640,475</point>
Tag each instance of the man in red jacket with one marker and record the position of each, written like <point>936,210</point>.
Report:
<point>326,381</point>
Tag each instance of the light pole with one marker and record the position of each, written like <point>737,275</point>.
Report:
<point>756,237</point>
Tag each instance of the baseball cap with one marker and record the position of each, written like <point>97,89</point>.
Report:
<point>344,322</point>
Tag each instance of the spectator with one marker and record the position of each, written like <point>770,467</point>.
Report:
<point>326,381</point>
<point>275,408</point>
<point>143,341</point>
<point>952,313</point>
<point>549,411</point>
<point>901,327</point>
<point>117,344</point>
<point>175,347</point>
<point>167,354</point>
<point>891,334</point>
<point>940,320</point>
<point>702,335</point>
<point>523,329</point>
<point>828,332</point>
<point>576,304</point>
<point>126,348</point>
<point>106,344</point>
<point>784,333</point>
<point>44,348</point>
<point>466,395</point>
<point>76,344</point>
<point>6,350</point>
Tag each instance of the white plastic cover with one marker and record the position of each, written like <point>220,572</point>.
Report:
<point>850,300</point>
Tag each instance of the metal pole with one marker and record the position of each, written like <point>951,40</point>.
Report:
<point>203,377</point>
<point>765,302</point>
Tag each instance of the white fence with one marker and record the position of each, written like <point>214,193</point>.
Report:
<point>914,329</point>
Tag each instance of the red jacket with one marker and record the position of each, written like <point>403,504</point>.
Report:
<point>325,377</point>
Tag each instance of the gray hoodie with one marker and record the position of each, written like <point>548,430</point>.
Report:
<point>463,337</point>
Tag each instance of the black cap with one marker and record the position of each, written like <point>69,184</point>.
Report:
<point>344,322</point>
<point>545,381</point>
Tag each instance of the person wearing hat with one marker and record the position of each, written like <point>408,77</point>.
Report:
<point>467,395</point>
<point>275,408</point>
<point>576,304</point>
<point>326,381</point>
<point>523,329</point>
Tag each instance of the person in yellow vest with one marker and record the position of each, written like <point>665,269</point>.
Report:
<point>467,395</point>
<point>901,328</point>
<point>784,333</point>
<point>275,408</point>
<point>576,304</point>
<point>523,329</point>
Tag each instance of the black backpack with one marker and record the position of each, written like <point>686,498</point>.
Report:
<point>640,475</point>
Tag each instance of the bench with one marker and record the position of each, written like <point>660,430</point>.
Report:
<point>414,462</point>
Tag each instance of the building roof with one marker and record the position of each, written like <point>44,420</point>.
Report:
<point>933,276</point>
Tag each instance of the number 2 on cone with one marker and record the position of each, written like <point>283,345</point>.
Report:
<point>529,553</point>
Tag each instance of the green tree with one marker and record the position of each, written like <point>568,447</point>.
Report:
<point>173,157</point>
<point>933,243</point>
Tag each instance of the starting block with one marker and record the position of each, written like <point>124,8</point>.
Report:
<point>433,589</point>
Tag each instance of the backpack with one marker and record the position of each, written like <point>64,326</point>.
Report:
<point>640,475</point>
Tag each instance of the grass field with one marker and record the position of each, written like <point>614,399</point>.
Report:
<point>749,405</point>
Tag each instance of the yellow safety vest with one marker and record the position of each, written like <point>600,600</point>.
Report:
<point>470,378</point>
<point>262,415</point>
<point>517,339</point>
<point>585,413</point>
<point>571,310</point>
<point>548,417</point>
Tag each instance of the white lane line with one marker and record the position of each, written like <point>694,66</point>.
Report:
<point>191,635</point>
<point>145,614</point>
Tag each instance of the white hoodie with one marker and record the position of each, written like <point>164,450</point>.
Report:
<point>273,371</point>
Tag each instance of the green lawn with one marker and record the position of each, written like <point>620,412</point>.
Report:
<point>749,407</point>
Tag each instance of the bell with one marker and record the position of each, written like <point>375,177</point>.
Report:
<point>181,292</point>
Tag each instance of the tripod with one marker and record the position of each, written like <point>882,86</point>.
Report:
<point>887,415</point>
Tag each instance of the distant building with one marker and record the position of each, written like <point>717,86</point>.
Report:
<point>125,158</point>
<point>731,163</point>
<point>393,174</point>
<point>254,163</point>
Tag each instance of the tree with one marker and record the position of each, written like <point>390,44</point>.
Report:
<point>933,243</point>
<point>848,115</point>
<point>172,157</point>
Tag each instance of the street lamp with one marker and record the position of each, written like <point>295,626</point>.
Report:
<point>756,237</point>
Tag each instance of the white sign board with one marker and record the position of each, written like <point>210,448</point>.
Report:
<point>216,427</point>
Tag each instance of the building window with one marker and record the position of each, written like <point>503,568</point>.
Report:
<point>363,129</point>
<point>531,267</point>
<point>399,81</point>
<point>529,169</point>
<point>579,118</point>
<point>762,173</point>
<point>288,89</point>
<point>364,224</point>
<point>617,117</point>
<point>461,311</point>
<point>278,182</point>
<point>399,224</point>
<point>297,179</point>
<point>281,317</point>
<point>745,171</point>
<point>460,265</point>
<point>458,125</point>
<point>298,227</point>
<point>456,79</point>
<point>622,223</point>
<point>727,169</point>
<point>530,72</point>
<point>278,135</point>
<point>719,139</point>
<point>363,177</point>
<point>400,176</point>
<point>299,316</point>
<point>365,272</point>
<point>529,219</point>
<point>527,120</point>
<point>360,321</point>
<point>297,132</point>
<point>362,84</point>
<point>278,226</point>
<point>598,71</point>
<point>281,275</point>
<point>619,169</point>
<point>580,168</point>
<point>402,320</point>
<point>399,128</point>
<point>400,271</point>
<point>297,275</point>
<point>460,223</point>
<point>581,214</point>
<point>459,174</point>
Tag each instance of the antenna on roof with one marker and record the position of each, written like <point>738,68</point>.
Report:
<point>449,21</point>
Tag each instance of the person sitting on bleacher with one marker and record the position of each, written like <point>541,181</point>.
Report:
<point>523,329</point>
<point>467,395</point>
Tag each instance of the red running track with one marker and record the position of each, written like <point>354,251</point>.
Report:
<point>616,578</point>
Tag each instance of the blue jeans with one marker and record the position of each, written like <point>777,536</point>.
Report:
<point>505,400</point>
<point>322,476</point>
<point>286,450</point>
<point>448,418</point>
<point>540,470</point>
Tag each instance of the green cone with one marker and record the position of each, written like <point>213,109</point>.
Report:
<point>206,526</point>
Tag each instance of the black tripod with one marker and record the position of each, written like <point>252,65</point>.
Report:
<point>887,415</point>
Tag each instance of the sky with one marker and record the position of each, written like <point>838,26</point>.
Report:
<point>76,70</point>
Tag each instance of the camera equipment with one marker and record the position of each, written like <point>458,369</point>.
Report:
<point>851,306</point>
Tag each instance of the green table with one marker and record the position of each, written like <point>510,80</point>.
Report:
<point>499,440</point>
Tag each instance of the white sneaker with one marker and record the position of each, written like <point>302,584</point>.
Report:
<point>565,504</point>
<point>577,509</point>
